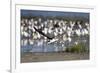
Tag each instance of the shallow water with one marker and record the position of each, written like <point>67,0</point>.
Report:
<point>56,46</point>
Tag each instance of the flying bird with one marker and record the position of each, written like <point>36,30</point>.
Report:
<point>39,31</point>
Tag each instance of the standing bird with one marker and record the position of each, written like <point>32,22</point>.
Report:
<point>69,39</point>
<point>78,32</point>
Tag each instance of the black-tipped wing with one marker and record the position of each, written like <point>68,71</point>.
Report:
<point>39,31</point>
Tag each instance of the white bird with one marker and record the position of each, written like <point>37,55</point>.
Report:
<point>53,40</point>
<point>25,42</point>
<point>30,27</point>
<point>45,22</point>
<point>22,28</point>
<point>63,49</point>
<point>39,27</point>
<point>29,22</point>
<point>56,30</point>
<point>23,24</point>
<point>39,19</point>
<point>25,34</point>
<point>42,25</point>
<point>35,36</point>
<point>38,35</point>
<point>72,24</point>
<point>69,33</point>
<point>80,26</point>
<point>85,31</point>
<point>32,20</point>
<point>49,30</point>
<point>59,24</point>
<point>51,21</point>
<point>31,42</point>
<point>55,21</point>
<point>64,37</point>
<point>69,39</point>
<point>55,33</point>
<point>33,29</point>
<point>78,32</point>
<point>45,39</point>
<point>35,22</point>
<point>64,28</point>
<point>76,43</point>
<point>69,28</point>
<point>86,24</point>
<point>45,30</point>
<point>60,31</point>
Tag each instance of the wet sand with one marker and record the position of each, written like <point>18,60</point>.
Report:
<point>45,57</point>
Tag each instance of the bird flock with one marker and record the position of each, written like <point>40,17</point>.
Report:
<point>39,31</point>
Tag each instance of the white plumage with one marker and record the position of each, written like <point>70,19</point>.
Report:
<point>69,39</point>
<point>38,35</point>
<point>25,34</point>
<point>85,31</point>
<point>80,26</point>
<point>25,42</point>
<point>78,32</point>
<point>53,40</point>
<point>45,30</point>
<point>61,31</point>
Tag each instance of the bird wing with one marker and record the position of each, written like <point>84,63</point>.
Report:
<point>53,40</point>
<point>39,31</point>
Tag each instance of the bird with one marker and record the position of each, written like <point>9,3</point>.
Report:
<point>33,29</point>
<point>25,42</point>
<point>69,39</point>
<point>38,35</point>
<point>49,31</point>
<point>87,24</point>
<point>76,43</point>
<point>40,32</point>
<point>53,40</point>
<point>39,19</point>
<point>64,37</point>
<point>78,32</point>
<point>69,33</point>
<point>29,22</point>
<point>60,32</point>
<point>85,31</point>
<point>35,22</point>
<point>31,42</point>
<point>25,33</point>
<point>72,24</point>
<point>64,27</point>
<point>45,30</point>
<point>80,27</point>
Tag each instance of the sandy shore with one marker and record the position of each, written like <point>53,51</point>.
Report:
<point>44,57</point>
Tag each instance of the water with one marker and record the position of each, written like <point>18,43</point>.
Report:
<point>53,47</point>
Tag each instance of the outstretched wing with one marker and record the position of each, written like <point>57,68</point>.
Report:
<point>39,31</point>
